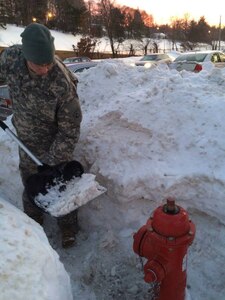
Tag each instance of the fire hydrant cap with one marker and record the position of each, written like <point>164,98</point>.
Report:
<point>171,220</point>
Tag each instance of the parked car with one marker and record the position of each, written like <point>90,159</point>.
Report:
<point>4,97</point>
<point>5,102</point>
<point>156,58</point>
<point>79,59</point>
<point>194,61</point>
<point>77,68</point>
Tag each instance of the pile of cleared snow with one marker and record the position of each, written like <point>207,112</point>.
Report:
<point>29,267</point>
<point>156,132</point>
<point>10,181</point>
<point>77,192</point>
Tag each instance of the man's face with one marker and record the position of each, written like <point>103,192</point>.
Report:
<point>39,69</point>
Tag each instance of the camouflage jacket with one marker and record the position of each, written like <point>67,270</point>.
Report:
<point>46,109</point>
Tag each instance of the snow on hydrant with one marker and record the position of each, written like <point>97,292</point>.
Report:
<point>164,242</point>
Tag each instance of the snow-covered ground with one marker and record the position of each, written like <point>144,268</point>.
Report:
<point>65,41</point>
<point>146,134</point>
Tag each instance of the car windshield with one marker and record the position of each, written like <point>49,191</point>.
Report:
<point>76,59</point>
<point>151,57</point>
<point>198,57</point>
<point>70,60</point>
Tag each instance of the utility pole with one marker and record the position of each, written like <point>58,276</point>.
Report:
<point>219,33</point>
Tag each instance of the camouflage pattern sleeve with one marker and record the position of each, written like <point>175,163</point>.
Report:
<point>69,117</point>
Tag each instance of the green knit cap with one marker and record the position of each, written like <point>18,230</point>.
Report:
<point>38,44</point>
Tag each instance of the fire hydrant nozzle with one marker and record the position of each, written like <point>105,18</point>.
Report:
<point>154,271</point>
<point>164,242</point>
<point>170,207</point>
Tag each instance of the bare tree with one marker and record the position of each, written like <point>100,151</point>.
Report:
<point>106,7</point>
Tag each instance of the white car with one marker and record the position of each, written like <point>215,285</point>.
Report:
<point>194,61</point>
<point>155,58</point>
<point>4,96</point>
<point>76,59</point>
<point>5,103</point>
<point>80,67</point>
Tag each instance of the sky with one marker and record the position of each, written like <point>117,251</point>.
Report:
<point>162,10</point>
<point>146,134</point>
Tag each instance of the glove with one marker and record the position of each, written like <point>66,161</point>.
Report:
<point>48,176</point>
<point>72,169</point>
<point>43,168</point>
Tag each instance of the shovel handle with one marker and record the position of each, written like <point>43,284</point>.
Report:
<point>16,139</point>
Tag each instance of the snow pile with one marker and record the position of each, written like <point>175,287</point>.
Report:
<point>29,267</point>
<point>77,192</point>
<point>136,113</point>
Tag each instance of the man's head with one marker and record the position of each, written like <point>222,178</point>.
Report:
<point>38,45</point>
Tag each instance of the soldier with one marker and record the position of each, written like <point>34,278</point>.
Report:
<point>46,111</point>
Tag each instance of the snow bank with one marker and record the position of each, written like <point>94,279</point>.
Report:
<point>29,267</point>
<point>157,132</point>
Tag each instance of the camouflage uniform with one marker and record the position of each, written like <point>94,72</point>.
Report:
<point>46,115</point>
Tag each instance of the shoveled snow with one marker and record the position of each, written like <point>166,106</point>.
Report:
<point>75,193</point>
<point>29,267</point>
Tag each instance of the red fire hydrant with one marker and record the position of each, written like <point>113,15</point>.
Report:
<point>164,241</point>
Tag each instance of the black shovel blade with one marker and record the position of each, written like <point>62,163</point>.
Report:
<point>40,182</point>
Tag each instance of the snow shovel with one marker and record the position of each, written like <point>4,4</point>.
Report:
<point>46,188</point>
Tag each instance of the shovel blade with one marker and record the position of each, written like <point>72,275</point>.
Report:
<point>41,182</point>
<point>77,192</point>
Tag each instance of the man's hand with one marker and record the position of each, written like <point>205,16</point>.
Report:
<point>48,176</point>
<point>43,168</point>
